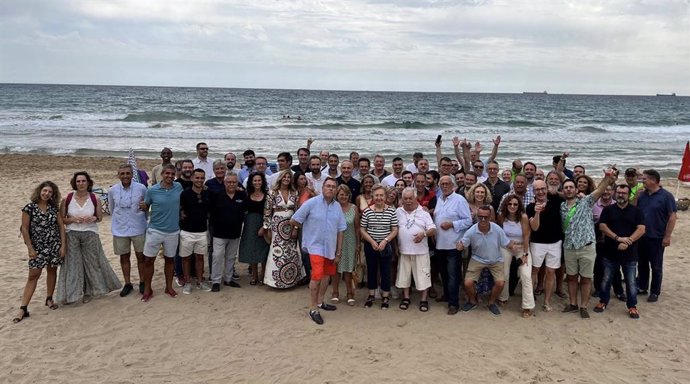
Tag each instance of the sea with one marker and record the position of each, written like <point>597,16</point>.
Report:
<point>95,120</point>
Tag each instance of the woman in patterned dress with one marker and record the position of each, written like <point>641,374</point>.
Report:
<point>44,236</point>
<point>86,272</point>
<point>284,267</point>
<point>351,240</point>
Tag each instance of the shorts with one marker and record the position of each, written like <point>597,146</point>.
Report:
<point>549,253</point>
<point>418,266</point>
<point>321,267</point>
<point>193,242</point>
<point>580,261</point>
<point>155,239</point>
<point>474,270</point>
<point>122,245</point>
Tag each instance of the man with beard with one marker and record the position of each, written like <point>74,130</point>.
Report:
<point>315,177</point>
<point>166,156</point>
<point>530,172</point>
<point>520,190</point>
<point>185,178</point>
<point>390,180</point>
<point>249,163</point>
<point>413,167</point>
<point>202,160</point>
<point>422,166</point>
<point>302,161</point>
<point>332,166</point>
<point>622,225</point>
<point>194,203</point>
<point>230,160</point>
<point>578,241</point>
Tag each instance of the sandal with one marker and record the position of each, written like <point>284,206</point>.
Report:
<point>526,313</point>
<point>334,298</point>
<point>52,305</point>
<point>25,313</point>
<point>350,299</point>
<point>252,282</point>
<point>384,302</point>
<point>546,308</point>
<point>370,301</point>
<point>404,304</point>
<point>423,306</point>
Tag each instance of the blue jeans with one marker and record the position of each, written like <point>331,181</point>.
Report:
<point>450,274</point>
<point>651,252</point>
<point>612,267</point>
<point>377,262</point>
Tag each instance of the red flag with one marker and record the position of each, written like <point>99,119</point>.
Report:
<point>684,174</point>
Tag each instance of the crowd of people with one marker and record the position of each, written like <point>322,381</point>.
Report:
<point>324,220</point>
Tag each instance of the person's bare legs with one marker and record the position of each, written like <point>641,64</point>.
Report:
<point>51,279</point>
<point>560,274</point>
<point>140,265</point>
<point>335,286</point>
<point>572,289</point>
<point>149,263</point>
<point>199,265</point>
<point>347,276</point>
<point>126,267</point>
<point>585,291</point>
<point>496,291</point>
<point>549,280</point>
<point>323,286</point>
<point>470,291</point>
<point>169,270</point>
<point>30,288</point>
<point>186,268</point>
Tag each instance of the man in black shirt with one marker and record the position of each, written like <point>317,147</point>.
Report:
<point>185,178</point>
<point>227,215</point>
<point>497,187</point>
<point>194,203</point>
<point>347,179</point>
<point>622,225</point>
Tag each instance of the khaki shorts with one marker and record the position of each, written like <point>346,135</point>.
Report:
<point>474,270</point>
<point>417,266</point>
<point>193,242</point>
<point>123,245</point>
<point>580,261</point>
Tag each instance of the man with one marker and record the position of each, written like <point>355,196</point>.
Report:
<point>622,225</point>
<point>446,166</point>
<point>194,204</point>
<point>424,196</point>
<point>364,167</point>
<point>460,181</point>
<point>659,209</point>
<point>324,159</point>
<point>520,189</point>
<point>333,161</point>
<point>128,224</point>
<point>251,163</point>
<point>546,238</point>
<point>323,224</point>
<point>486,239</point>
<point>302,161</point>
<point>416,225</point>
<point>347,179</point>
<point>432,179</point>
<point>202,160</point>
<point>284,163</point>
<point>559,165</point>
<point>413,167</point>
<point>539,175</point>
<point>635,187</point>
<point>408,178</point>
<point>166,156</point>
<point>379,167</point>
<point>185,178</point>
<point>530,172</point>
<point>354,158</point>
<point>516,169</point>
<point>470,180</point>
<point>478,169</point>
<point>578,241</point>
<point>227,215</point>
<point>604,201</point>
<point>217,183</point>
<point>578,170</point>
<point>422,166</point>
<point>230,160</point>
<point>316,177</point>
<point>452,217</point>
<point>163,229</point>
<point>497,187</point>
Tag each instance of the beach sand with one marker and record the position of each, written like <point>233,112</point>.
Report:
<point>259,335</point>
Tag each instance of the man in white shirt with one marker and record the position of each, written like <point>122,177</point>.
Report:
<point>315,177</point>
<point>203,161</point>
<point>390,180</point>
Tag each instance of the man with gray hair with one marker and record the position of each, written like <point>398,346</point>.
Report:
<point>415,225</point>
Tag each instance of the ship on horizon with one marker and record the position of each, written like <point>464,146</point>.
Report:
<point>666,94</point>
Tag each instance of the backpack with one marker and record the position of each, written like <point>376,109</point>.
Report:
<point>94,200</point>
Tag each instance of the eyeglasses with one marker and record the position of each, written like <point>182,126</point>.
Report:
<point>482,218</point>
<point>479,166</point>
<point>203,149</point>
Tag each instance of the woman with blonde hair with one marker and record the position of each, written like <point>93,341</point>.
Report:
<point>477,196</point>
<point>351,249</point>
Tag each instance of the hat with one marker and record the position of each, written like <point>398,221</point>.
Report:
<point>631,172</point>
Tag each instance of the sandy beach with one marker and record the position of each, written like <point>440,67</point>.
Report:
<point>259,335</point>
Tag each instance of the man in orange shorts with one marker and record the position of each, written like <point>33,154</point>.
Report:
<point>324,223</point>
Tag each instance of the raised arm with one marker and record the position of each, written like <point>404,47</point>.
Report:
<point>494,150</point>
<point>610,177</point>
<point>458,152</point>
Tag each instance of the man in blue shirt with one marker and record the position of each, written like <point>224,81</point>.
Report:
<point>164,227</point>
<point>486,239</point>
<point>324,223</point>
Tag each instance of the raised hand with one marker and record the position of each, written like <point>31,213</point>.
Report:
<point>497,140</point>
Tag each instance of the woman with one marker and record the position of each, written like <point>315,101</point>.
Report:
<point>301,184</point>
<point>284,267</point>
<point>585,185</point>
<point>350,250</point>
<point>86,272</point>
<point>515,224</point>
<point>44,236</point>
<point>477,196</point>
<point>378,228</point>
<point>253,247</point>
<point>399,186</point>
<point>392,197</point>
<point>365,198</point>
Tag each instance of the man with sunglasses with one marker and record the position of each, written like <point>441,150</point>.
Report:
<point>202,160</point>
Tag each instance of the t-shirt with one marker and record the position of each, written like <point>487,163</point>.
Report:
<point>214,185</point>
<point>354,186</point>
<point>165,207</point>
<point>184,183</point>
<point>623,222</point>
<point>227,214</point>
<point>379,224</point>
<point>390,180</point>
<point>195,209</point>
<point>411,224</point>
<point>656,209</point>
<point>549,231</point>
<point>497,191</point>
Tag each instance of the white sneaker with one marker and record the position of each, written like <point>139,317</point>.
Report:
<point>187,290</point>
<point>179,281</point>
<point>204,286</point>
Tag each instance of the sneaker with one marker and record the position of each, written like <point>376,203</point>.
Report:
<point>632,312</point>
<point>126,290</point>
<point>179,281</point>
<point>452,310</point>
<point>600,308</point>
<point>494,309</point>
<point>235,276</point>
<point>187,289</point>
<point>584,313</point>
<point>215,288</point>
<point>570,308</point>
<point>653,298</point>
<point>232,284</point>
<point>204,286</point>
<point>327,307</point>
<point>316,316</point>
<point>468,306</point>
<point>642,292</point>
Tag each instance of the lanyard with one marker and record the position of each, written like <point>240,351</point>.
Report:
<point>569,216</point>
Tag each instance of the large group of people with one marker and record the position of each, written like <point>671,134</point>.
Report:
<point>323,221</point>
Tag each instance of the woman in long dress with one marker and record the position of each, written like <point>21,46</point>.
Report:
<point>350,250</point>
<point>284,267</point>
<point>86,272</point>
<point>253,247</point>
<point>44,236</point>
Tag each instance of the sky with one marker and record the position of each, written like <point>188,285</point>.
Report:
<point>562,46</point>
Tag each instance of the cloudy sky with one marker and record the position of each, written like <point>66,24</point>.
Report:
<point>563,46</point>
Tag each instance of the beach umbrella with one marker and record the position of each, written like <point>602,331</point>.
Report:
<point>132,160</point>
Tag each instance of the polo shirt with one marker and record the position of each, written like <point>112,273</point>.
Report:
<point>656,208</point>
<point>215,186</point>
<point>486,247</point>
<point>227,214</point>
<point>623,222</point>
<point>354,186</point>
<point>195,209</point>
<point>164,204</point>
<point>550,228</point>
<point>497,191</point>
